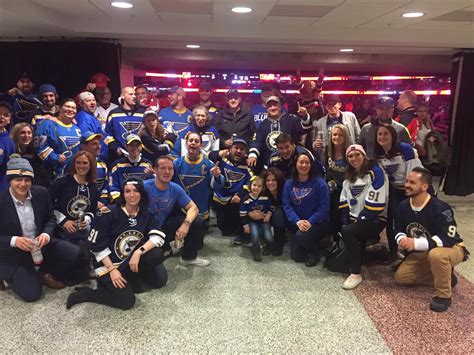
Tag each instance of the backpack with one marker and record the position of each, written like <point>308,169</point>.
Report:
<point>338,259</point>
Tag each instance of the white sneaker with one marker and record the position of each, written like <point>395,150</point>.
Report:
<point>198,262</point>
<point>351,282</point>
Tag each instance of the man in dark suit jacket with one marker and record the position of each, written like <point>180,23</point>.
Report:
<point>27,222</point>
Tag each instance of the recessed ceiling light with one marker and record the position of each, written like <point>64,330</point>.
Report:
<point>194,46</point>
<point>121,4</point>
<point>413,14</point>
<point>346,50</point>
<point>241,9</point>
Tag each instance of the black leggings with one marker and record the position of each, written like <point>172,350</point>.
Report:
<point>355,236</point>
<point>150,270</point>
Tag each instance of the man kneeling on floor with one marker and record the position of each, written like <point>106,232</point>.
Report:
<point>426,230</point>
<point>166,200</point>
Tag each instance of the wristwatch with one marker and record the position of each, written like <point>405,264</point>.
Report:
<point>142,250</point>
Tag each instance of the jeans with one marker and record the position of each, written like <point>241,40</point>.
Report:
<point>192,242</point>
<point>259,230</point>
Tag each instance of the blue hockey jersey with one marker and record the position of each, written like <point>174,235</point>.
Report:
<point>120,124</point>
<point>195,178</point>
<point>7,147</point>
<point>102,182</point>
<point>249,203</point>
<point>122,170</point>
<point>53,138</point>
<point>236,178</point>
<point>209,137</point>
<point>175,122</point>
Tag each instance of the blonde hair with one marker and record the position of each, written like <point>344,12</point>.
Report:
<point>345,145</point>
<point>15,135</point>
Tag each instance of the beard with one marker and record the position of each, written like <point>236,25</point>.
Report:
<point>412,192</point>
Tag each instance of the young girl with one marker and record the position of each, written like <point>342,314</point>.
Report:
<point>257,226</point>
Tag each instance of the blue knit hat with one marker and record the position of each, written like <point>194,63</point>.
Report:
<point>46,88</point>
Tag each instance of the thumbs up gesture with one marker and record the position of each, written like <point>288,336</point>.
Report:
<point>216,171</point>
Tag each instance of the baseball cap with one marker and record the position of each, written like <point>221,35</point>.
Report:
<point>240,140</point>
<point>331,98</point>
<point>132,138</point>
<point>205,86</point>
<point>6,105</point>
<point>272,98</point>
<point>100,80</point>
<point>232,93</point>
<point>87,136</point>
<point>173,89</point>
<point>23,75</point>
<point>385,101</point>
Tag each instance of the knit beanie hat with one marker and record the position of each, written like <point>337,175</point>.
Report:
<point>18,167</point>
<point>354,147</point>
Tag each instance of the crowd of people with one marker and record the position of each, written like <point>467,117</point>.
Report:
<point>90,185</point>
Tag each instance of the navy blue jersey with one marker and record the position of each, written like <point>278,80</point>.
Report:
<point>117,235</point>
<point>69,198</point>
<point>120,124</point>
<point>122,170</point>
<point>7,147</point>
<point>236,178</point>
<point>249,203</point>
<point>432,224</point>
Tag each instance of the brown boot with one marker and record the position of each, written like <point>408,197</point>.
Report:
<point>51,282</point>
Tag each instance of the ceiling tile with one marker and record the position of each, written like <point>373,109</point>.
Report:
<point>461,16</point>
<point>183,6</point>
<point>300,11</point>
<point>289,21</point>
<point>183,18</point>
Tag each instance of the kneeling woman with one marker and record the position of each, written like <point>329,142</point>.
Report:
<point>363,202</point>
<point>306,205</point>
<point>125,244</point>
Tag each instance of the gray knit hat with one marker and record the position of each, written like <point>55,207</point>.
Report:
<point>18,166</point>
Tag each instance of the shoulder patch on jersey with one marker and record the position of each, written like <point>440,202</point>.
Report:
<point>377,176</point>
<point>448,214</point>
<point>407,151</point>
<point>103,210</point>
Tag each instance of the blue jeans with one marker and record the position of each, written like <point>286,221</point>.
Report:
<point>259,230</point>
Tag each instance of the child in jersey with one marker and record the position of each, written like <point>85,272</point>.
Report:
<point>253,223</point>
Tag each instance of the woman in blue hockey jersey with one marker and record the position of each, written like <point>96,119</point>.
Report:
<point>362,203</point>
<point>397,159</point>
<point>306,205</point>
<point>125,244</point>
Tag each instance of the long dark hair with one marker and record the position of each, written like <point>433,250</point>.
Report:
<point>280,180</point>
<point>312,171</point>
<point>138,183</point>
<point>394,149</point>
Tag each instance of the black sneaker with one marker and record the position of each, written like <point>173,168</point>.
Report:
<point>256,252</point>
<point>277,251</point>
<point>266,251</point>
<point>454,279</point>
<point>439,304</point>
<point>312,261</point>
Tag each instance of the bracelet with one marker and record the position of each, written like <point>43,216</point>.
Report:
<point>111,268</point>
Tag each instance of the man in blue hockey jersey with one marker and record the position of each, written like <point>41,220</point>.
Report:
<point>176,117</point>
<point>194,172</point>
<point>427,231</point>
<point>7,147</point>
<point>123,121</point>
<point>259,111</point>
<point>276,122</point>
<point>49,109</point>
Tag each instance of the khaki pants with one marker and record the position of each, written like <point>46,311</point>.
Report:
<point>431,268</point>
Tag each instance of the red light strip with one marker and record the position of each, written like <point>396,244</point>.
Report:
<point>336,92</point>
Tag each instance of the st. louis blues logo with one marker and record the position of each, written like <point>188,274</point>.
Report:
<point>100,182</point>
<point>391,168</point>
<point>78,204</point>
<point>126,243</point>
<point>69,142</point>
<point>233,176</point>
<point>356,190</point>
<point>25,106</point>
<point>189,181</point>
<point>416,230</point>
<point>271,140</point>
<point>129,127</point>
<point>175,127</point>
<point>449,215</point>
<point>299,194</point>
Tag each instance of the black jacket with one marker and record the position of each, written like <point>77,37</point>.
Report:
<point>241,124</point>
<point>10,223</point>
